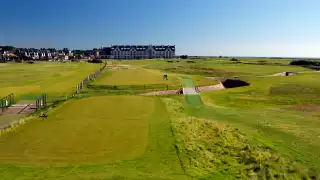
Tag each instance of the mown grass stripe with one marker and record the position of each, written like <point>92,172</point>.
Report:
<point>194,100</point>
<point>191,99</point>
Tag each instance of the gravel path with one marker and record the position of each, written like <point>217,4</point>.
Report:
<point>190,91</point>
<point>161,93</point>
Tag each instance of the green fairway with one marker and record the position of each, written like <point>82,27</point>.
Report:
<point>135,77</point>
<point>193,100</point>
<point>221,67</point>
<point>164,67</point>
<point>251,69</point>
<point>109,137</point>
<point>28,81</point>
<point>77,133</point>
<point>188,83</point>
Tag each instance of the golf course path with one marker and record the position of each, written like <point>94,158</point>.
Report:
<point>190,91</point>
<point>192,97</point>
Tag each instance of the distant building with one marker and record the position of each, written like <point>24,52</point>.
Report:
<point>105,52</point>
<point>142,52</point>
<point>1,53</point>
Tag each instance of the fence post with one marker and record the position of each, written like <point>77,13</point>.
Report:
<point>44,99</point>
<point>2,105</point>
<point>11,99</point>
<point>7,102</point>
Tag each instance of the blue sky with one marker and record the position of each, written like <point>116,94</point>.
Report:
<point>196,27</point>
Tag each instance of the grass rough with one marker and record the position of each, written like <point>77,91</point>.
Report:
<point>212,150</point>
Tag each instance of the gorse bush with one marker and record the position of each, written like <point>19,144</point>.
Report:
<point>95,61</point>
<point>304,63</point>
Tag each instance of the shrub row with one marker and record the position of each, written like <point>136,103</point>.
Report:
<point>305,63</point>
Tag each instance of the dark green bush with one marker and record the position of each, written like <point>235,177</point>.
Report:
<point>95,61</point>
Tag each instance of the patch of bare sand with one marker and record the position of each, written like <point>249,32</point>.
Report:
<point>211,88</point>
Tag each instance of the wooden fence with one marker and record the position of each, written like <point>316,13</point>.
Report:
<point>41,101</point>
<point>6,102</point>
<point>89,78</point>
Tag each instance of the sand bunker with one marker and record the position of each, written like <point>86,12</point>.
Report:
<point>233,83</point>
<point>211,88</point>
<point>224,84</point>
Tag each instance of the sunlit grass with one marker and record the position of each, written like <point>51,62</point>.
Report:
<point>85,130</point>
<point>30,80</point>
<point>135,77</point>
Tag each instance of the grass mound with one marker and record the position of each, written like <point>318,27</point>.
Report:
<point>218,150</point>
<point>211,150</point>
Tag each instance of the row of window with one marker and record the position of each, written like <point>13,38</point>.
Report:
<point>141,50</point>
<point>133,53</point>
<point>132,57</point>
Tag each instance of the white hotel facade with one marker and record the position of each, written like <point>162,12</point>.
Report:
<point>142,52</point>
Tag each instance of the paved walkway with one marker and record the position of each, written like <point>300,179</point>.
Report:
<point>19,109</point>
<point>190,91</point>
<point>192,96</point>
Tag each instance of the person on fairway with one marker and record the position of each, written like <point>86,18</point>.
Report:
<point>165,76</point>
